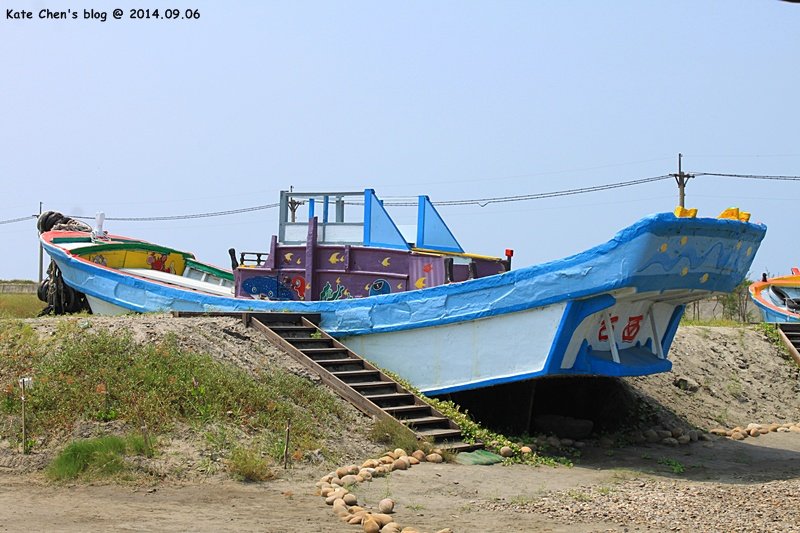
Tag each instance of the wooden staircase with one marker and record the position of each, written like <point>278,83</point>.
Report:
<point>352,377</point>
<point>790,333</point>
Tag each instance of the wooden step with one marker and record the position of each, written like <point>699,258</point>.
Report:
<point>285,319</point>
<point>459,446</point>
<point>396,398</point>
<point>318,354</point>
<point>351,377</point>
<point>402,411</point>
<point>341,365</point>
<point>426,421</point>
<point>439,433</point>
<point>295,332</point>
<point>374,387</point>
<point>305,344</point>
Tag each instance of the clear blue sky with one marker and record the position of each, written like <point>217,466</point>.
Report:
<point>451,99</point>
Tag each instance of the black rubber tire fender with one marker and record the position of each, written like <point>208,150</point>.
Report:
<point>41,291</point>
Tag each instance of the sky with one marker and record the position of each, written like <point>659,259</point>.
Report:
<point>453,99</point>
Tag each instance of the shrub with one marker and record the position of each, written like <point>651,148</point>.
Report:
<point>247,464</point>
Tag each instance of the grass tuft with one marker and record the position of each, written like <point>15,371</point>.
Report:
<point>100,457</point>
<point>675,466</point>
<point>394,434</point>
<point>247,464</point>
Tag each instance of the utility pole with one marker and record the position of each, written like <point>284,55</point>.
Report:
<point>41,251</point>
<point>293,205</point>
<point>681,180</point>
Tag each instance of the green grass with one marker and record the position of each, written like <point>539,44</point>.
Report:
<point>770,332</point>
<point>676,467</point>
<point>247,464</point>
<point>84,375</point>
<point>712,323</point>
<point>394,434</point>
<point>19,305</point>
<point>100,457</point>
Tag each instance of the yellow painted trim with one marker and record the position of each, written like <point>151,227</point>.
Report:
<point>682,212</point>
<point>456,254</point>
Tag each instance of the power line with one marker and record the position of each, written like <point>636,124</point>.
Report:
<point>748,176</point>
<point>185,217</point>
<point>482,202</point>
<point>20,219</point>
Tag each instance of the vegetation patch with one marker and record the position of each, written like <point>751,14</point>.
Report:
<point>676,467</point>
<point>472,431</point>
<point>772,334</point>
<point>100,457</point>
<point>712,322</point>
<point>80,375</point>
<point>248,464</point>
<point>393,434</point>
<point>19,305</point>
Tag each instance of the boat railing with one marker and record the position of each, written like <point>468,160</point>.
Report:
<point>253,258</point>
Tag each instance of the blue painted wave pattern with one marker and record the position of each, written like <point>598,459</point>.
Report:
<point>712,261</point>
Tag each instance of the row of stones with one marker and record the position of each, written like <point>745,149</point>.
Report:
<point>668,436</point>
<point>654,435</point>
<point>756,430</point>
<point>334,488</point>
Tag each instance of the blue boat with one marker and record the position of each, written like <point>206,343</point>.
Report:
<point>612,310</point>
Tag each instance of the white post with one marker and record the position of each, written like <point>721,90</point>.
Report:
<point>658,350</point>
<point>612,338</point>
<point>24,383</point>
<point>98,232</point>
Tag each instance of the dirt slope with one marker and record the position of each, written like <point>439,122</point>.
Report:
<point>741,378</point>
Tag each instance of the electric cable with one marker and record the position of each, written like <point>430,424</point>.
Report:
<point>20,219</point>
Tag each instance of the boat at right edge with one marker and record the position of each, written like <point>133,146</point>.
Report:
<point>778,298</point>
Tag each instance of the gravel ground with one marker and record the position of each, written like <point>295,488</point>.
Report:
<point>644,504</point>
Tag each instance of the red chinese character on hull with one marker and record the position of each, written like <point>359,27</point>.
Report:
<point>602,335</point>
<point>632,328</point>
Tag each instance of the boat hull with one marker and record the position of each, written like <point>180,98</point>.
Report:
<point>770,297</point>
<point>611,310</point>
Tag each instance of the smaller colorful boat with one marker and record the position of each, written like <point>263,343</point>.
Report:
<point>778,298</point>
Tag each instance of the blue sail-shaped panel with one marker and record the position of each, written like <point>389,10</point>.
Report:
<point>379,228</point>
<point>432,232</point>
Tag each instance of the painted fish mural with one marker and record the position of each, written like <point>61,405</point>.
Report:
<point>380,286</point>
<point>265,287</point>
